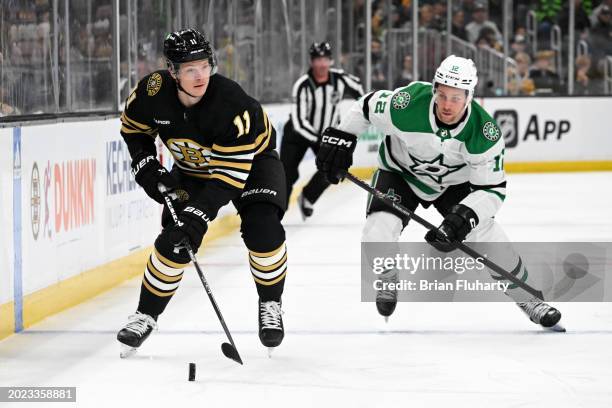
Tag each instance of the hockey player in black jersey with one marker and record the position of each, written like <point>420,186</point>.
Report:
<point>223,148</point>
<point>316,95</point>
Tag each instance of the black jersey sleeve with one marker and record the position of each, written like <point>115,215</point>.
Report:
<point>137,127</point>
<point>232,157</point>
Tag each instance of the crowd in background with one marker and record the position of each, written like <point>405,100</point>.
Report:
<point>480,23</point>
<point>35,46</point>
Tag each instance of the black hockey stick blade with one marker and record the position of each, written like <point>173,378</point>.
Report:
<point>230,352</point>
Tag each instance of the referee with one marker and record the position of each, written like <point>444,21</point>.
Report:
<point>316,95</point>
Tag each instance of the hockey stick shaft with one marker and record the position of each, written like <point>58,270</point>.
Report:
<point>170,207</point>
<point>460,245</point>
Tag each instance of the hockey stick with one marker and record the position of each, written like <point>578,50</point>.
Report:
<point>460,245</point>
<point>229,349</point>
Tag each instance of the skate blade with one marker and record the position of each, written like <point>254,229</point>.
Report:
<point>270,350</point>
<point>386,319</point>
<point>127,351</point>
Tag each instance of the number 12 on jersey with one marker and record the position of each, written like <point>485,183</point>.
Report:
<point>243,124</point>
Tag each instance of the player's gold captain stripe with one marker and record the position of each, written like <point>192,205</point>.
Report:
<point>260,139</point>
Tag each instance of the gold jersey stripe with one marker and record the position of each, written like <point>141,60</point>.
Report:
<point>161,276</point>
<point>155,291</point>
<point>267,254</point>
<point>243,166</point>
<point>168,262</point>
<point>269,268</point>
<point>272,282</point>
<point>132,122</point>
<point>125,129</point>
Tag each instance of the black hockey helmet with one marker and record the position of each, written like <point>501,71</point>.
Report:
<point>320,49</point>
<point>188,45</point>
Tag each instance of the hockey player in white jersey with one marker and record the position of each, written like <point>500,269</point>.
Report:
<point>443,149</point>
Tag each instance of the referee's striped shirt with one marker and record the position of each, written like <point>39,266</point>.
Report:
<point>315,105</point>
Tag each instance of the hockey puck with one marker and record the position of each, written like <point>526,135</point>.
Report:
<point>192,371</point>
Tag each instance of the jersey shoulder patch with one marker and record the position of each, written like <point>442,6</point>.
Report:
<point>154,83</point>
<point>482,132</point>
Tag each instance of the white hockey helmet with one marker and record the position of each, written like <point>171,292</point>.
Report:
<point>457,72</point>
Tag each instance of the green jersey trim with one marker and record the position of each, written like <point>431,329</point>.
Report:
<point>500,195</point>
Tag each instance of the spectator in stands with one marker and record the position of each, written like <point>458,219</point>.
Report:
<point>583,84</point>
<point>6,108</point>
<point>545,79</point>
<point>426,16</point>
<point>480,20</point>
<point>458,28</point>
<point>523,85</point>
<point>379,80</point>
<point>439,19</point>
<point>595,13</point>
<point>601,33</point>
<point>488,39</point>
<point>518,44</point>
<point>523,62</point>
<point>405,77</point>
<point>581,18</point>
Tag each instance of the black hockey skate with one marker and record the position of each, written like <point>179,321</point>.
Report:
<point>543,314</point>
<point>386,299</point>
<point>135,332</point>
<point>306,207</point>
<point>271,330</point>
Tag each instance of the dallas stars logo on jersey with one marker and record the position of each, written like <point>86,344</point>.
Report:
<point>434,169</point>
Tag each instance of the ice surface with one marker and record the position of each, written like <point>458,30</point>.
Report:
<point>338,351</point>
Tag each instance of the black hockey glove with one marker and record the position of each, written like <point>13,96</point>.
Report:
<point>455,227</point>
<point>192,225</point>
<point>335,154</point>
<point>149,173</point>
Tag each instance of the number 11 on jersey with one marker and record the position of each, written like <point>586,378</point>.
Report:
<point>243,126</point>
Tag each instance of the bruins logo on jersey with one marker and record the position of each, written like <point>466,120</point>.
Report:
<point>154,84</point>
<point>188,154</point>
<point>490,131</point>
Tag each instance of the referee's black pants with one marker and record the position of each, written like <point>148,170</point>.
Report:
<point>293,149</point>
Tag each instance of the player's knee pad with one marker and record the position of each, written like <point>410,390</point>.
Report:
<point>382,226</point>
<point>261,227</point>
<point>166,249</point>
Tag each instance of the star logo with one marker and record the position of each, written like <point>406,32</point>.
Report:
<point>434,169</point>
<point>391,195</point>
